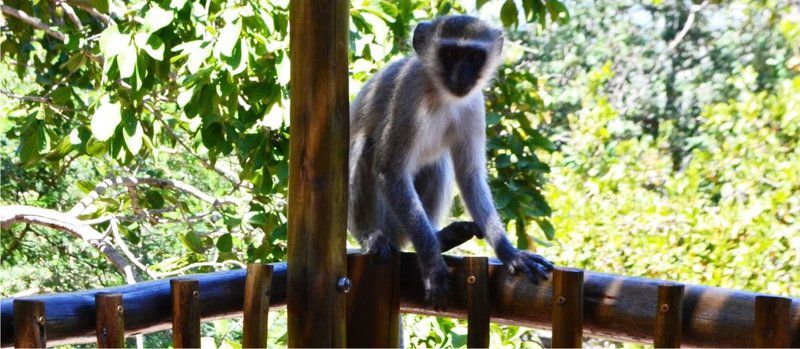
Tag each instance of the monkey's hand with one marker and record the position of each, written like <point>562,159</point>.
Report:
<point>531,264</point>
<point>437,285</point>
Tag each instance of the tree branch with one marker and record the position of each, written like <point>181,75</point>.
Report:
<point>70,12</point>
<point>154,182</point>
<point>33,22</point>
<point>64,222</point>
<point>93,11</point>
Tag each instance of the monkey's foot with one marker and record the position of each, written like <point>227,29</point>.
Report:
<point>437,286</point>
<point>533,265</point>
<point>380,247</point>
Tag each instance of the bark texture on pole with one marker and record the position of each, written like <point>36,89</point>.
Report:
<point>29,324</point>
<point>256,305</point>
<point>319,144</point>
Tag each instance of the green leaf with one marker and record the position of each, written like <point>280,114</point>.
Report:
<point>85,186</point>
<point>126,60</point>
<point>154,199</point>
<point>192,242</point>
<point>558,12</point>
<point>157,18</point>
<point>100,5</point>
<point>105,120</point>
<point>111,42</point>
<point>133,133</point>
<point>480,3</point>
<point>547,228</point>
<point>151,44</point>
<point>228,38</point>
<point>508,13</point>
<point>225,243</point>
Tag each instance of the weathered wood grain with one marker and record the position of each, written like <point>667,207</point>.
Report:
<point>319,142</point>
<point>185,313</point>
<point>373,302</point>
<point>29,331</point>
<point>772,325</point>
<point>256,305</point>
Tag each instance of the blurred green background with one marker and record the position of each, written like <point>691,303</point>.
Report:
<point>645,138</point>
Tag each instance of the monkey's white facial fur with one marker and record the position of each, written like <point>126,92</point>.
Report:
<point>460,54</point>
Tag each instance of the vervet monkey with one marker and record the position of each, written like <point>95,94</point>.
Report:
<point>416,125</point>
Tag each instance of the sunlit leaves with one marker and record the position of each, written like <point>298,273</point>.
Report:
<point>105,120</point>
<point>157,18</point>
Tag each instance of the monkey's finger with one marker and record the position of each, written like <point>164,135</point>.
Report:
<point>548,265</point>
<point>527,270</point>
<point>540,269</point>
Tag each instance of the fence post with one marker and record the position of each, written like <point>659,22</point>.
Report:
<point>256,305</point>
<point>772,322</point>
<point>373,302</point>
<point>319,143</point>
<point>669,312</point>
<point>567,315</point>
<point>185,313</point>
<point>110,321</point>
<point>29,330</point>
<point>478,307</point>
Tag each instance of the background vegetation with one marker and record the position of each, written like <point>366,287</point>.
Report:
<point>646,138</point>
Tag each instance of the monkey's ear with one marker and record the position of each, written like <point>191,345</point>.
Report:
<point>422,36</point>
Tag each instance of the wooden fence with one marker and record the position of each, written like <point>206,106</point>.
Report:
<point>574,303</point>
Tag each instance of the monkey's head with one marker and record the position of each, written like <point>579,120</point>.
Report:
<point>459,52</point>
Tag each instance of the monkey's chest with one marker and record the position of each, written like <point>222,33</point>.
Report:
<point>432,141</point>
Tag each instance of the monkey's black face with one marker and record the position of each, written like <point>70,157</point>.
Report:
<point>461,67</point>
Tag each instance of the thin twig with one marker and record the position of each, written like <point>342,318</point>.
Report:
<point>33,22</point>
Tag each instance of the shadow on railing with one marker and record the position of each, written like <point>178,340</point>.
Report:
<point>611,306</point>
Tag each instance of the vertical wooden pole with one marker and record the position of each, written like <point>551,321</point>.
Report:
<point>373,302</point>
<point>29,329</point>
<point>772,322</point>
<point>257,287</point>
<point>110,321</point>
<point>185,313</point>
<point>567,308</point>
<point>319,142</point>
<point>669,312</point>
<point>478,307</point>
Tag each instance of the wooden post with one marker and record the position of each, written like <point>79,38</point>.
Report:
<point>478,306</point>
<point>772,322</point>
<point>669,312</point>
<point>373,302</point>
<point>29,331</point>
<point>319,143</point>
<point>256,305</point>
<point>110,320</point>
<point>567,315</point>
<point>185,313</point>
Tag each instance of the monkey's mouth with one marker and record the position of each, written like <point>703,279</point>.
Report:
<point>460,88</point>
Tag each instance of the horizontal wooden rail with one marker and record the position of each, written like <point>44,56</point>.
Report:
<point>616,307</point>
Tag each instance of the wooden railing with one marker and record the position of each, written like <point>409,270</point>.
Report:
<point>573,303</point>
